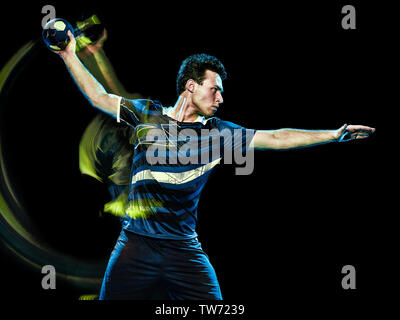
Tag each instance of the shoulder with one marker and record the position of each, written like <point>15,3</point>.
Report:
<point>145,104</point>
<point>216,122</point>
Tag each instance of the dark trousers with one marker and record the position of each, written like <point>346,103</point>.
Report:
<point>146,268</point>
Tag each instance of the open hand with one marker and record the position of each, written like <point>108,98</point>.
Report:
<point>351,132</point>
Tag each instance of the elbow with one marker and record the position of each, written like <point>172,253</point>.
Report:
<point>279,141</point>
<point>268,140</point>
<point>276,141</point>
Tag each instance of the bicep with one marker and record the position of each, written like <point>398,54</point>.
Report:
<point>109,103</point>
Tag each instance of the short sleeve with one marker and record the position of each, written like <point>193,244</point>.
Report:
<point>235,137</point>
<point>133,112</point>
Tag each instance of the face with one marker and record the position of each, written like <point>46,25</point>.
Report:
<point>207,96</point>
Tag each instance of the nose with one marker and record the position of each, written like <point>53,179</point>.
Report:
<point>219,97</point>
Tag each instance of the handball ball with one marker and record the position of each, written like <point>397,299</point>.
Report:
<point>55,34</point>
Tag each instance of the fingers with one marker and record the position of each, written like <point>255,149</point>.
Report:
<point>359,131</point>
<point>352,132</point>
<point>70,36</point>
<point>361,135</point>
<point>360,128</point>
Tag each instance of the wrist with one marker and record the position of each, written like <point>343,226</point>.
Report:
<point>69,58</point>
<point>335,135</point>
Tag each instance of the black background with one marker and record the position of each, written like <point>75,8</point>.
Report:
<point>283,233</point>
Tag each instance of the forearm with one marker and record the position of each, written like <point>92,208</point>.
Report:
<point>296,138</point>
<point>284,139</point>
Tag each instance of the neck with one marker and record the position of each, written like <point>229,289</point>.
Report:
<point>184,109</point>
<point>189,114</point>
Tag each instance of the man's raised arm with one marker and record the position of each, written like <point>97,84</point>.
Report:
<point>90,87</point>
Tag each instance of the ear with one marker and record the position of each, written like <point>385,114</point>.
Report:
<point>191,85</point>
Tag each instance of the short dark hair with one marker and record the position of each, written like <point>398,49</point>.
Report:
<point>194,67</point>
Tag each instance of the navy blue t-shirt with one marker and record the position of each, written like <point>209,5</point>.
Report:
<point>171,163</point>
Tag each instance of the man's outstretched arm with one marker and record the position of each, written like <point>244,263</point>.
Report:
<point>91,88</point>
<point>285,139</point>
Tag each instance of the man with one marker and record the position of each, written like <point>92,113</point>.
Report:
<point>158,254</point>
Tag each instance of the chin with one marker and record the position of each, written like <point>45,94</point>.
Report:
<point>212,112</point>
<point>208,112</point>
